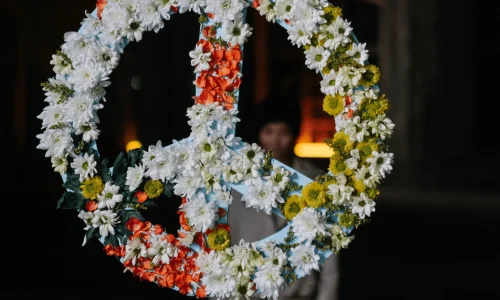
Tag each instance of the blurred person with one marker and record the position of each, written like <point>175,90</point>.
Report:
<point>276,123</point>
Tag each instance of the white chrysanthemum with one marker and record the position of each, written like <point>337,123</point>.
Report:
<point>115,16</point>
<point>187,185</point>
<point>359,53</point>
<point>355,128</point>
<point>350,76</point>
<point>85,166</point>
<point>201,215</point>
<point>219,285</point>
<point>355,154</point>
<point>207,262</point>
<point>279,177</point>
<point>80,109</point>
<point>190,5</point>
<point>275,256</point>
<point>51,115</point>
<point>308,223</point>
<point>266,8</point>
<point>304,259</point>
<point>135,249</point>
<point>341,194</point>
<point>309,16</point>
<point>339,238</point>
<point>158,162</point>
<point>332,84</point>
<point>263,196</point>
<point>233,173</point>
<point>363,206</point>
<point>107,58</point>
<point>188,238</point>
<point>91,25</point>
<point>109,196</point>
<point>253,153</point>
<point>111,39</point>
<point>164,7</point>
<point>223,195</point>
<point>382,126</point>
<point>105,220</point>
<point>78,47</point>
<point>88,76</point>
<point>369,179</point>
<point>200,59</point>
<point>236,32</point>
<point>134,177</point>
<point>284,9</point>
<point>57,142</point>
<point>133,31</point>
<point>89,131</point>
<point>380,163</point>
<point>87,217</point>
<point>368,93</point>
<point>244,289</point>
<point>226,9</point>
<point>268,281</point>
<point>342,30</point>
<point>61,65</point>
<point>162,250</point>
<point>316,58</point>
<point>150,16</point>
<point>341,179</point>
<point>299,35</point>
<point>60,164</point>
<point>351,163</point>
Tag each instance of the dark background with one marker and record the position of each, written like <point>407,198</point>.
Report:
<point>435,232</point>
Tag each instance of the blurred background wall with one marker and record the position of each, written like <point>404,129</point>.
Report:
<point>435,232</point>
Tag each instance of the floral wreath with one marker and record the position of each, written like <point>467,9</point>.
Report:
<point>199,259</point>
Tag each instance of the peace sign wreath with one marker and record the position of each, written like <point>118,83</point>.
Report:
<point>199,259</point>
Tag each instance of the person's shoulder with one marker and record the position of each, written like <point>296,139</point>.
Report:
<point>306,167</point>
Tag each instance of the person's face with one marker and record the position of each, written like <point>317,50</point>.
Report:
<point>277,137</point>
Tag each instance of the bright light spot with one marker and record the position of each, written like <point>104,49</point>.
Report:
<point>313,150</point>
<point>133,145</point>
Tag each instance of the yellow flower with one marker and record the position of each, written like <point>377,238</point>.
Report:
<point>366,149</point>
<point>371,76</point>
<point>342,142</point>
<point>347,219</point>
<point>92,187</point>
<point>333,105</point>
<point>331,13</point>
<point>153,188</point>
<point>219,239</point>
<point>372,193</point>
<point>314,195</point>
<point>293,206</point>
<point>338,166</point>
<point>359,185</point>
<point>371,108</point>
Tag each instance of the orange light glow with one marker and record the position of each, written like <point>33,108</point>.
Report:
<point>313,150</point>
<point>133,145</point>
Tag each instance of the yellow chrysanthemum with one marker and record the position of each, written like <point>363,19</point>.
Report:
<point>371,108</point>
<point>338,166</point>
<point>359,186</point>
<point>314,195</point>
<point>342,142</point>
<point>219,239</point>
<point>366,149</point>
<point>333,105</point>
<point>92,187</point>
<point>153,188</point>
<point>372,193</point>
<point>331,13</point>
<point>347,219</point>
<point>293,206</point>
<point>371,76</point>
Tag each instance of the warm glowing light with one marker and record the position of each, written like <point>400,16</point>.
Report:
<point>316,150</point>
<point>133,145</point>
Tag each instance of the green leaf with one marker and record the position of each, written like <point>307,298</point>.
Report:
<point>111,239</point>
<point>168,189</point>
<point>91,233</point>
<point>134,157</point>
<point>128,214</point>
<point>71,200</point>
<point>72,183</point>
<point>103,170</point>
<point>119,169</point>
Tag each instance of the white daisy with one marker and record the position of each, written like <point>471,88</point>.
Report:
<point>284,9</point>
<point>340,193</point>
<point>341,31</point>
<point>91,25</point>
<point>150,15</point>
<point>299,35</point>
<point>62,65</point>
<point>279,177</point>
<point>219,285</point>
<point>316,58</point>
<point>201,215</point>
<point>89,131</point>
<point>382,126</point>
<point>269,281</point>
<point>339,238</point>
<point>109,196</point>
<point>164,7</point>
<point>60,164</point>
<point>359,53</point>
<point>105,220</point>
<point>380,163</point>
<point>85,166</point>
<point>186,186</point>
<point>309,16</point>
<point>263,196</point>
<point>200,59</point>
<point>253,153</point>
<point>51,115</point>
<point>134,250</point>
<point>87,217</point>
<point>308,223</point>
<point>355,128</point>
<point>369,179</point>
<point>363,206</point>
<point>162,250</point>
<point>190,5</point>
<point>78,47</point>
<point>226,9</point>
<point>133,31</point>
<point>87,76</point>
<point>236,32</point>
<point>57,142</point>
<point>134,177</point>
<point>332,84</point>
<point>188,238</point>
<point>304,258</point>
<point>351,163</point>
<point>107,58</point>
<point>244,290</point>
<point>115,16</point>
<point>207,262</point>
<point>80,109</point>
<point>266,8</point>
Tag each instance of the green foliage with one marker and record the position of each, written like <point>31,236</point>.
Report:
<point>71,200</point>
<point>120,170</point>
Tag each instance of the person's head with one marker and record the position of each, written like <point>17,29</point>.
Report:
<point>278,126</point>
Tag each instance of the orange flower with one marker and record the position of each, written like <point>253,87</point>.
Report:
<point>149,276</point>
<point>91,205</point>
<point>208,32</point>
<point>101,4</point>
<point>183,221</point>
<point>200,291</point>
<point>174,9</point>
<point>222,212</point>
<point>211,16</point>
<point>157,229</point>
<point>255,3</point>
<point>141,196</point>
